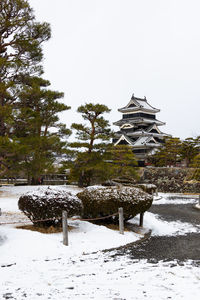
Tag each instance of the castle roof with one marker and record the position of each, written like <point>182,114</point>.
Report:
<point>145,133</point>
<point>146,141</point>
<point>140,142</point>
<point>126,138</point>
<point>151,130</point>
<point>136,104</point>
<point>139,120</point>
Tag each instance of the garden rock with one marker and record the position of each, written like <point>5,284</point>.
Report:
<point>126,181</point>
<point>148,188</point>
<point>49,203</point>
<point>101,201</point>
<point>171,180</point>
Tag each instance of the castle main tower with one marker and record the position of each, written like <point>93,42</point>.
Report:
<point>139,128</point>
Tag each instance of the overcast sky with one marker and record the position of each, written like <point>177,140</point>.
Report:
<point>103,51</point>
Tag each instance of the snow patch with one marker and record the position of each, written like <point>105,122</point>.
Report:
<point>167,198</point>
<point>37,266</point>
<point>160,227</point>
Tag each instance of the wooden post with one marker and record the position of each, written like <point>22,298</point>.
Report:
<point>65,228</point>
<point>199,200</point>
<point>156,192</point>
<point>141,219</point>
<point>121,220</point>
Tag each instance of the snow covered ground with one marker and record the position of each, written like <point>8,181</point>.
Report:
<point>38,266</point>
<point>165,198</point>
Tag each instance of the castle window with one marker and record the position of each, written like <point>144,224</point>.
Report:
<point>139,115</point>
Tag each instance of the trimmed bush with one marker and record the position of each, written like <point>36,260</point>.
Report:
<point>103,201</point>
<point>49,203</point>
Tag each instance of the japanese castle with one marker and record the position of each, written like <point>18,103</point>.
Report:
<point>139,128</point>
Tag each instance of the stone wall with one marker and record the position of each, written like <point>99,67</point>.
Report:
<point>173,180</point>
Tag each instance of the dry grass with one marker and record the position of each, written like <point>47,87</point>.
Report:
<point>111,225</point>
<point>47,230</point>
<point>116,227</point>
<point>52,229</point>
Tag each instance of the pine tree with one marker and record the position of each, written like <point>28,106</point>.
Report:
<point>37,127</point>
<point>92,141</point>
<point>196,165</point>
<point>21,39</point>
<point>21,52</point>
<point>189,149</point>
<point>121,162</point>
<point>28,108</point>
<point>169,154</point>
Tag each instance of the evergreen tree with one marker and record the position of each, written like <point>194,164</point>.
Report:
<point>9,155</point>
<point>174,151</point>
<point>92,141</point>
<point>88,168</point>
<point>189,149</point>
<point>21,39</point>
<point>169,154</point>
<point>21,52</point>
<point>37,127</point>
<point>121,162</point>
<point>96,129</point>
<point>196,166</point>
<point>28,109</point>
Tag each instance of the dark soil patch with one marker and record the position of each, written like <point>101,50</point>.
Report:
<point>165,248</point>
<point>168,248</point>
<point>177,212</point>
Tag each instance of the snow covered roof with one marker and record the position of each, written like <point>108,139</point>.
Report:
<point>154,126</point>
<point>138,104</point>
<point>139,120</point>
<point>146,140</point>
<point>141,141</point>
<point>126,138</point>
<point>144,133</point>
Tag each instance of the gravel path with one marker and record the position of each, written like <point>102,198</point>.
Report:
<point>167,248</point>
<point>177,212</point>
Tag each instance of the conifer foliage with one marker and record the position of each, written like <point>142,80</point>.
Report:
<point>169,154</point>
<point>174,151</point>
<point>196,170</point>
<point>20,53</point>
<point>93,137</point>
<point>121,162</point>
<point>28,109</point>
<point>37,127</point>
<point>96,158</point>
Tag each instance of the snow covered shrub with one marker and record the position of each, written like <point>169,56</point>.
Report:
<point>101,201</point>
<point>49,203</point>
